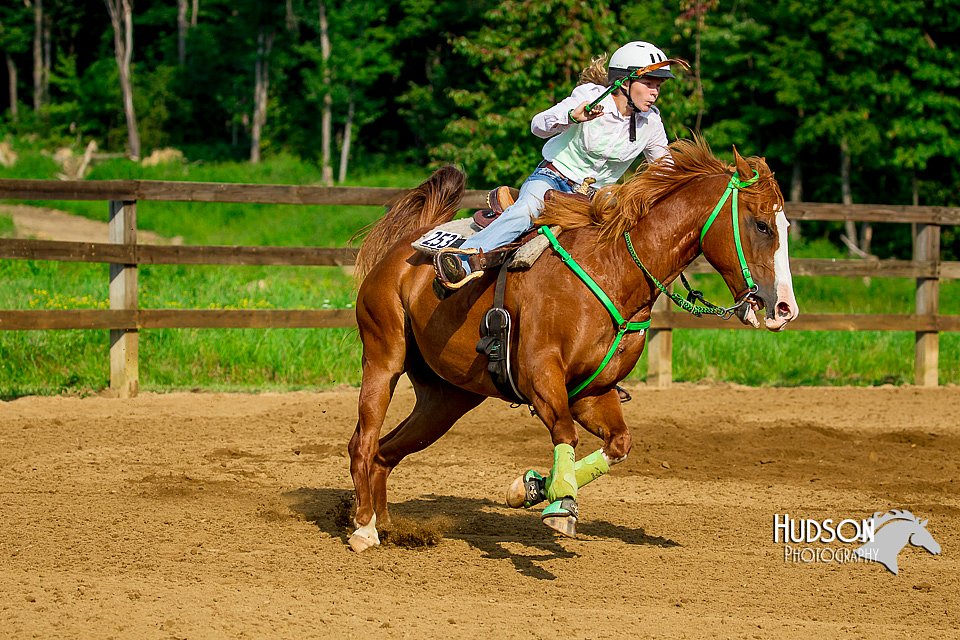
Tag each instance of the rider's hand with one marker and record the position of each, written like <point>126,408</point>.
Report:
<point>580,114</point>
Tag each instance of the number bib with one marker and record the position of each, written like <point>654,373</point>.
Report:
<point>448,234</point>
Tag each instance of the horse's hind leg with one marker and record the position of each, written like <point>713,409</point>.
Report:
<point>384,352</point>
<point>439,405</point>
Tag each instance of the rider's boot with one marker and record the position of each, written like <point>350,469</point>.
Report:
<point>453,269</point>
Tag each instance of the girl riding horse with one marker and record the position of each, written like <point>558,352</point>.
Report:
<point>574,340</point>
<point>594,135</point>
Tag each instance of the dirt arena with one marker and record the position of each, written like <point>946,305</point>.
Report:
<point>205,515</point>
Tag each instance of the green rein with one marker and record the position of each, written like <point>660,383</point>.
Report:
<point>623,326</point>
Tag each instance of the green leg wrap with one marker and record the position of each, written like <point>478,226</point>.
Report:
<point>563,478</point>
<point>591,467</point>
<point>587,469</point>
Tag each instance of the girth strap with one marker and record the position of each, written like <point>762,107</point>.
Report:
<point>496,330</point>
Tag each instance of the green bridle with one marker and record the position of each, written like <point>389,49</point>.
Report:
<point>709,308</point>
<point>623,326</point>
<point>733,187</point>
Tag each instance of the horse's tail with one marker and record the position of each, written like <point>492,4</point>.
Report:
<point>433,202</point>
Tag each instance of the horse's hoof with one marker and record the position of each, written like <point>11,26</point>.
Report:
<point>516,493</point>
<point>361,543</point>
<point>561,516</point>
<point>365,537</point>
<point>527,490</point>
<point>565,525</point>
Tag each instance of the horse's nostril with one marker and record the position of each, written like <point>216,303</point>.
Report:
<point>783,309</point>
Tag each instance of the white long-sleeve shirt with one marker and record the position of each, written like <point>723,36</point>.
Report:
<point>600,148</point>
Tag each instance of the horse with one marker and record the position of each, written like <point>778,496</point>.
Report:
<point>898,528</point>
<point>562,330</point>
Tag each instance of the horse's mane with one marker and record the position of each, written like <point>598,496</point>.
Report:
<point>617,208</point>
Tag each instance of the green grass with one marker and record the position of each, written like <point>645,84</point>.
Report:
<point>48,362</point>
<point>57,361</point>
<point>805,357</point>
<point>6,226</point>
<point>239,224</point>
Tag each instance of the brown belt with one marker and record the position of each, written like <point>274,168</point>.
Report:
<point>584,188</point>
<point>546,164</point>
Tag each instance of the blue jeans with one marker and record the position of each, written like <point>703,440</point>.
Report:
<point>518,217</point>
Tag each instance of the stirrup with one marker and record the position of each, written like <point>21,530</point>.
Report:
<point>449,268</point>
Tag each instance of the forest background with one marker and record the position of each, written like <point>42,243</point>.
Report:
<point>848,101</point>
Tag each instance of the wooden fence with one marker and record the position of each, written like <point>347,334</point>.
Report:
<point>123,253</point>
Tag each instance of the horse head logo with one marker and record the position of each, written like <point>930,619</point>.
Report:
<point>898,528</point>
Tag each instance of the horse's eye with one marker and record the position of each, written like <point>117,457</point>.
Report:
<point>763,228</point>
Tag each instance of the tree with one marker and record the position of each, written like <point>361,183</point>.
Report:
<point>326,132</point>
<point>921,84</point>
<point>341,74</point>
<point>14,41</point>
<point>182,27</point>
<point>696,12</point>
<point>121,17</point>
<point>261,89</point>
<point>37,54</point>
<point>515,72</point>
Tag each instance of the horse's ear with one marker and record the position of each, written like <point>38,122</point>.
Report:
<point>743,169</point>
<point>924,523</point>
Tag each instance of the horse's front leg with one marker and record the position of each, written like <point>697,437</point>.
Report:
<point>560,487</point>
<point>603,417</point>
<point>600,415</point>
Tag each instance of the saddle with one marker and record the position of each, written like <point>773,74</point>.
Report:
<point>496,326</point>
<point>502,197</point>
<point>448,237</point>
<point>497,200</point>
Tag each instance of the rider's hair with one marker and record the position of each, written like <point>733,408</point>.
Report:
<point>596,72</point>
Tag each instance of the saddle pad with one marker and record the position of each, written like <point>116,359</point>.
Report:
<point>530,251</point>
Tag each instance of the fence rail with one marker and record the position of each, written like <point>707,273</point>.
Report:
<point>129,319</point>
<point>125,319</point>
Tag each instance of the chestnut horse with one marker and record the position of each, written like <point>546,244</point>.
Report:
<point>561,331</point>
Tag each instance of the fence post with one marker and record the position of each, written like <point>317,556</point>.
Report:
<point>927,345</point>
<point>660,350</point>
<point>124,343</point>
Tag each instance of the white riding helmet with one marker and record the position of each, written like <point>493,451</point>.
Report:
<point>636,55</point>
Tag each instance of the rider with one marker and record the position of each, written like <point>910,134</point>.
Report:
<point>583,147</point>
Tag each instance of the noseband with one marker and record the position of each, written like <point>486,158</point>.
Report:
<point>708,308</point>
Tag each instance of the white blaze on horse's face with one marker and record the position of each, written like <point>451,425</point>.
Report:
<point>786,308</point>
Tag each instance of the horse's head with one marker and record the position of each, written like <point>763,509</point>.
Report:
<point>752,256</point>
<point>892,531</point>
